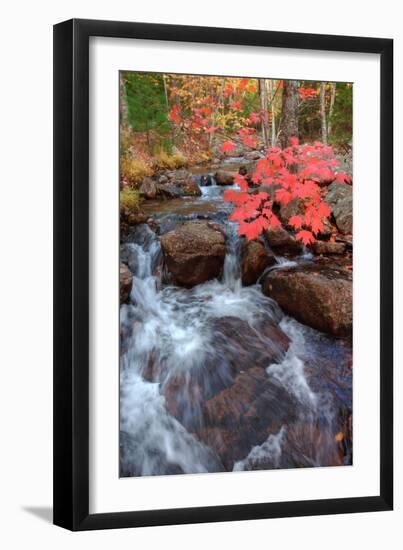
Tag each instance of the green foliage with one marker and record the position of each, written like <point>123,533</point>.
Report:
<point>342,119</point>
<point>147,106</point>
<point>129,198</point>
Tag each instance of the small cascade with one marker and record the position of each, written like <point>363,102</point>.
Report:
<point>216,378</point>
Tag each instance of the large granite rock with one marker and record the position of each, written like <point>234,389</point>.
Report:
<point>194,252</point>
<point>340,201</point>
<point>255,259</point>
<point>317,295</point>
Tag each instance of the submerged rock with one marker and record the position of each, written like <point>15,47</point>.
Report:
<point>244,414</point>
<point>194,252</point>
<point>126,282</point>
<point>255,259</point>
<point>319,296</point>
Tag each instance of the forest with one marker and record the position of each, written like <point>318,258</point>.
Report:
<point>236,263</point>
<point>174,121</point>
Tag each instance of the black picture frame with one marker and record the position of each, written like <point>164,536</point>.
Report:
<point>71,274</point>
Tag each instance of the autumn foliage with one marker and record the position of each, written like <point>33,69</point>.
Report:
<point>296,172</point>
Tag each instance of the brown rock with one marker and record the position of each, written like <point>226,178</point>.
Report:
<point>253,155</point>
<point>238,347</point>
<point>148,189</point>
<point>280,240</point>
<point>169,191</point>
<point>126,282</point>
<point>190,188</point>
<point>223,177</point>
<point>293,208</point>
<point>255,259</point>
<point>328,248</point>
<point>318,295</point>
<point>244,414</point>
<point>194,252</point>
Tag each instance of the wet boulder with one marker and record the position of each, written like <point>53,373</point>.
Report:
<point>293,208</point>
<point>190,188</point>
<point>148,189</point>
<point>169,191</point>
<point>296,207</point>
<point>194,252</point>
<point>253,155</point>
<point>328,248</point>
<point>318,295</point>
<point>223,177</point>
<point>280,240</point>
<point>130,217</point>
<point>125,282</point>
<point>340,201</point>
<point>238,347</point>
<point>255,259</point>
<point>244,414</point>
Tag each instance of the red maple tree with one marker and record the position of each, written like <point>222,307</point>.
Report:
<point>296,172</point>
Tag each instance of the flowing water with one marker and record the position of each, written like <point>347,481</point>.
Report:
<point>216,378</point>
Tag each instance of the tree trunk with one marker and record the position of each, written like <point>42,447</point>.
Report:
<point>263,109</point>
<point>331,107</point>
<point>289,112</point>
<point>124,109</point>
<point>273,117</point>
<point>323,112</point>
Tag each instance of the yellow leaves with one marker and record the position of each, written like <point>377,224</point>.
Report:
<point>339,437</point>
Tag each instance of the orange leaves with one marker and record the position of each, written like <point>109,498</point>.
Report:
<point>174,114</point>
<point>227,147</point>
<point>307,93</point>
<point>339,437</point>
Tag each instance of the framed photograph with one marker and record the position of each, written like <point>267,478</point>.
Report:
<point>223,263</point>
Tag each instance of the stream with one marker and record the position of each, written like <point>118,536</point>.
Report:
<point>216,378</point>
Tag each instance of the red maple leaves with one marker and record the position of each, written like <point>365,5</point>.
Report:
<point>297,172</point>
<point>227,147</point>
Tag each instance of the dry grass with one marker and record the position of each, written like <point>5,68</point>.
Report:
<point>134,170</point>
<point>129,198</point>
<point>163,161</point>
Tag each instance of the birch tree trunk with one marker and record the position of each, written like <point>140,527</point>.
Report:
<point>272,110</point>
<point>289,112</point>
<point>323,112</point>
<point>123,107</point>
<point>263,109</point>
<point>331,107</point>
